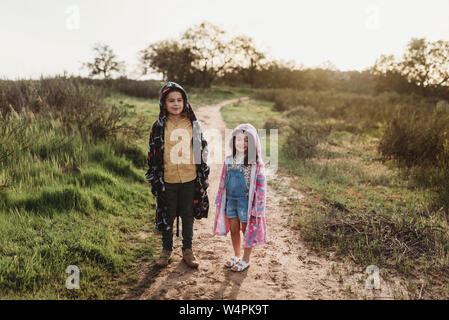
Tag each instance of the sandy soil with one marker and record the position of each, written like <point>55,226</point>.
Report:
<point>284,268</point>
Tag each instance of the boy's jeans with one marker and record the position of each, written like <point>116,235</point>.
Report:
<point>179,199</point>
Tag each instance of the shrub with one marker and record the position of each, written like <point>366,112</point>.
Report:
<point>266,94</point>
<point>415,138</point>
<point>142,89</point>
<point>59,94</point>
<point>357,110</point>
<point>418,141</point>
<point>76,102</point>
<point>439,179</point>
<point>275,123</point>
<point>138,88</point>
<point>305,133</point>
<point>14,138</point>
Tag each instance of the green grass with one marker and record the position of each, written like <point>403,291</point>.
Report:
<point>135,106</point>
<point>84,219</point>
<point>71,201</point>
<point>249,111</point>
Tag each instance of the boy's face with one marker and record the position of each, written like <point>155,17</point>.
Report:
<point>174,103</point>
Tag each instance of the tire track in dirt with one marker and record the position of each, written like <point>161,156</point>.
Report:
<point>284,268</point>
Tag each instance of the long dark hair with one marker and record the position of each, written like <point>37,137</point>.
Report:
<point>251,144</point>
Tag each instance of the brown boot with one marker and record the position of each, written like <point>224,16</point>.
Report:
<point>189,258</point>
<point>163,258</point>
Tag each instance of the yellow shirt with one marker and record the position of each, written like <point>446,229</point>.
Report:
<point>178,151</point>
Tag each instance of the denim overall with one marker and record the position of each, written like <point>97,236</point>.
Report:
<point>236,194</point>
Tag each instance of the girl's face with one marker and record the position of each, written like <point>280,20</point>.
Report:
<point>241,143</point>
<point>174,103</point>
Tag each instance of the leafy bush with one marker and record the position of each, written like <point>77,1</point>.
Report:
<point>275,123</point>
<point>79,105</point>
<point>418,141</point>
<point>137,88</point>
<point>356,110</point>
<point>415,138</point>
<point>13,130</point>
<point>305,133</point>
<point>59,94</point>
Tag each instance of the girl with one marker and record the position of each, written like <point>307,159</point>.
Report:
<point>241,196</point>
<point>180,188</point>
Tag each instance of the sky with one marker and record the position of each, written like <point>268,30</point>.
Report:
<point>49,37</point>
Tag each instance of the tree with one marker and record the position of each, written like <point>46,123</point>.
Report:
<point>168,57</point>
<point>213,49</point>
<point>426,63</point>
<point>388,76</point>
<point>105,62</point>
<point>248,60</point>
<point>201,55</point>
<point>424,68</point>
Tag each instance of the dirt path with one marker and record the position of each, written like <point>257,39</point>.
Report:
<point>281,269</point>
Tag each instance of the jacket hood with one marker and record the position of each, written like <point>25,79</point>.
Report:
<point>200,150</point>
<point>249,129</point>
<point>164,91</point>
